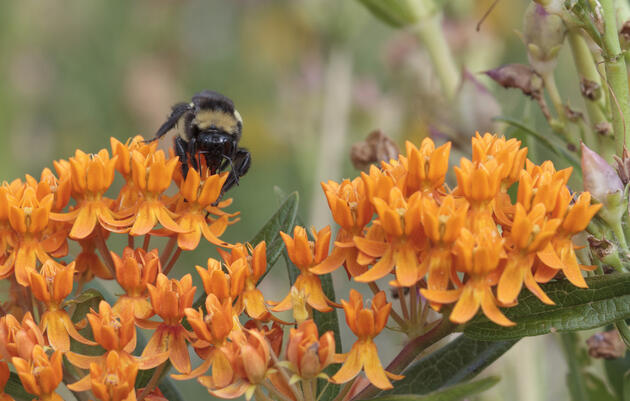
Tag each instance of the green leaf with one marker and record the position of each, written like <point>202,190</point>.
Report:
<point>452,393</point>
<point>458,361</point>
<point>615,370</point>
<point>15,388</point>
<point>282,220</point>
<point>91,295</point>
<point>396,13</point>
<point>626,386</point>
<point>559,150</point>
<point>88,299</point>
<point>606,300</point>
<point>170,391</point>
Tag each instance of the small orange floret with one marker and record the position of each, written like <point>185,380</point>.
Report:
<point>41,374</point>
<point>308,353</point>
<point>365,323</point>
<point>134,271</point>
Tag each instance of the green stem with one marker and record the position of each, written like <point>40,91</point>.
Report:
<point>153,382</point>
<point>624,332</point>
<point>432,36</point>
<point>617,77</point>
<point>621,237</point>
<point>575,379</point>
<point>587,70</point>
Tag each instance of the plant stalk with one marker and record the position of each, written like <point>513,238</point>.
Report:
<point>617,75</point>
<point>431,34</point>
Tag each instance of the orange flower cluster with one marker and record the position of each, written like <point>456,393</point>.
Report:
<point>38,219</point>
<point>471,245</point>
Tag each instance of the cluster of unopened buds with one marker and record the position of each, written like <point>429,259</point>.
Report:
<point>471,246</point>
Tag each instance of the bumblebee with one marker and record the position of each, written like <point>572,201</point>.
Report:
<point>209,127</point>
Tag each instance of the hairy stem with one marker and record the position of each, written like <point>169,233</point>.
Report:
<point>617,77</point>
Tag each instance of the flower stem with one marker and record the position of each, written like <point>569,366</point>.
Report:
<point>403,303</point>
<point>147,240</point>
<point>131,241</point>
<point>309,390</point>
<point>260,395</point>
<point>617,77</point>
<point>168,249</point>
<point>104,251</point>
<point>588,73</point>
<point>153,382</point>
<point>431,34</point>
<point>413,303</point>
<point>171,263</point>
<point>345,390</point>
<point>277,394</point>
<point>624,332</point>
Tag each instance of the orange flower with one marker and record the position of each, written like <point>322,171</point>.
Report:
<point>19,339</point>
<point>508,153</point>
<point>51,286</point>
<point>426,166</point>
<point>400,219</point>
<point>28,218</point>
<point>365,324</point>
<point>212,331</point>
<point>169,299</point>
<point>198,197</point>
<point>308,353</point>
<point>115,379</point>
<point>306,254</point>
<point>560,253</point>
<point>92,175</point>
<point>478,182</point>
<point>116,333</point>
<point>245,267</point>
<point>129,195</point>
<point>4,378</point>
<point>134,271</point>
<point>442,225</point>
<point>40,375</point>
<point>530,233</point>
<point>152,174</point>
<point>250,358</point>
<point>352,210</point>
<point>478,255</point>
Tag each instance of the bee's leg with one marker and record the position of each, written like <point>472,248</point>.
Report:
<point>180,150</point>
<point>177,112</point>
<point>240,164</point>
<point>192,151</point>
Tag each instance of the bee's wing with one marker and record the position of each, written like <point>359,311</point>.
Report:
<point>178,111</point>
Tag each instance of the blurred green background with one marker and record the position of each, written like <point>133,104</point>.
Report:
<point>309,77</point>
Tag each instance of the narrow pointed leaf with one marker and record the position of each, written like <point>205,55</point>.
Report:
<point>282,220</point>
<point>558,149</point>
<point>453,393</point>
<point>606,300</point>
<point>458,361</point>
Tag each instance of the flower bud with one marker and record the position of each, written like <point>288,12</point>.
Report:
<point>603,182</point>
<point>543,34</point>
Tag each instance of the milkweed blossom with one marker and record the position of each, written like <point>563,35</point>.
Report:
<point>458,249</point>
